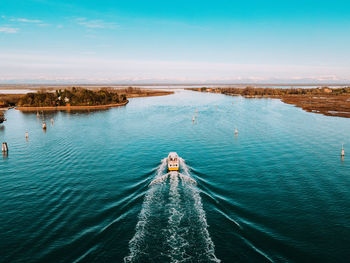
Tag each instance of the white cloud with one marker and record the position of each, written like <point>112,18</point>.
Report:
<point>25,20</point>
<point>9,30</point>
<point>95,24</point>
<point>88,53</point>
<point>86,65</point>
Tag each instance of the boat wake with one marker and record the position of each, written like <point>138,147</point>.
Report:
<point>172,224</point>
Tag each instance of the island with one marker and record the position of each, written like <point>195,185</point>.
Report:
<point>75,98</point>
<point>322,100</point>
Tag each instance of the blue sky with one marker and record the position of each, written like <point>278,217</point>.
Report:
<point>233,41</point>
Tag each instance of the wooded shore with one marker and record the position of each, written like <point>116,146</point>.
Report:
<point>75,98</point>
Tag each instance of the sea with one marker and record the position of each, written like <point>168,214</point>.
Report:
<point>86,189</point>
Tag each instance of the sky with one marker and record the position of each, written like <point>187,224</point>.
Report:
<point>102,41</point>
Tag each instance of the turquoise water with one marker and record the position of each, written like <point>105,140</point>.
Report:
<point>79,192</point>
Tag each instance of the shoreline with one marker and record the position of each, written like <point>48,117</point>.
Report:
<point>68,108</point>
<point>151,94</point>
<point>38,86</point>
<point>8,101</point>
<point>326,101</point>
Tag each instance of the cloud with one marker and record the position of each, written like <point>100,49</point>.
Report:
<point>88,53</point>
<point>86,65</point>
<point>9,30</point>
<point>25,20</point>
<point>96,24</point>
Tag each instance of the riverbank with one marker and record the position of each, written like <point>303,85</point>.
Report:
<point>327,101</point>
<point>151,93</point>
<point>336,106</point>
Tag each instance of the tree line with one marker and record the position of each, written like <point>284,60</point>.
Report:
<point>74,97</point>
<point>252,91</point>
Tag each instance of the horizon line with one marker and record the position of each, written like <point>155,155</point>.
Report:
<point>337,84</point>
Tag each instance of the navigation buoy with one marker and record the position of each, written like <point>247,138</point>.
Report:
<point>236,131</point>
<point>44,126</point>
<point>342,153</point>
<point>27,135</point>
<point>4,147</point>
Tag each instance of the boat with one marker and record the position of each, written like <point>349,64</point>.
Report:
<point>173,162</point>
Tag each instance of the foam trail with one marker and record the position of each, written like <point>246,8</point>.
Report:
<point>175,233</point>
<point>172,224</point>
<point>184,167</point>
<point>207,248</point>
<point>153,197</point>
<point>163,178</point>
<point>161,168</point>
<point>187,179</point>
<point>159,179</point>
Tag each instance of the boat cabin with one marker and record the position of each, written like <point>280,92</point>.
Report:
<point>173,161</point>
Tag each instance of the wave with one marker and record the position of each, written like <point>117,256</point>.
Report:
<point>176,235</point>
<point>172,225</point>
<point>138,244</point>
<point>206,249</point>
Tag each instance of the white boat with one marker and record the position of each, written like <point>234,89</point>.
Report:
<point>173,162</point>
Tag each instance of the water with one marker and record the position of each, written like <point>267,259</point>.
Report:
<point>79,192</point>
<point>16,91</point>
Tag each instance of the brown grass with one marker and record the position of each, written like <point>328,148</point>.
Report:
<point>149,93</point>
<point>327,105</point>
<point>326,101</point>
